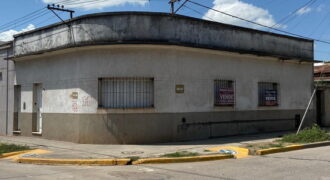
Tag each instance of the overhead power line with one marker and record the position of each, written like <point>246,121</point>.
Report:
<point>262,25</point>
<point>183,4</point>
<point>23,18</point>
<point>27,17</point>
<point>286,18</point>
<point>25,21</point>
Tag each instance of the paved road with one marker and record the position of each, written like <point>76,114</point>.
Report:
<point>304,164</point>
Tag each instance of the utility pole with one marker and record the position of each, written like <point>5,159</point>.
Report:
<point>172,2</point>
<point>58,7</point>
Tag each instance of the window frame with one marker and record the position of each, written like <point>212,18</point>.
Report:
<point>274,84</point>
<point>233,83</point>
<point>101,106</point>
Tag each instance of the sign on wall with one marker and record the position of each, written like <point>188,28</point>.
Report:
<point>179,88</point>
<point>226,97</point>
<point>270,97</point>
<point>74,95</point>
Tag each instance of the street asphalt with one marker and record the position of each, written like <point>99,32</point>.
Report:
<point>306,164</point>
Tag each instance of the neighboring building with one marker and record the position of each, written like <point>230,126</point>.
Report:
<point>322,82</point>
<point>6,105</point>
<point>135,77</point>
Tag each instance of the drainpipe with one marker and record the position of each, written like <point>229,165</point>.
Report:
<point>7,92</point>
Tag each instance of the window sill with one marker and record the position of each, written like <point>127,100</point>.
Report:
<point>224,105</point>
<point>223,108</point>
<point>268,106</point>
<point>125,108</point>
<point>17,132</point>
<point>37,133</point>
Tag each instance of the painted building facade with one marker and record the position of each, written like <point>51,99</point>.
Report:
<point>322,97</point>
<point>135,77</point>
<point>7,69</point>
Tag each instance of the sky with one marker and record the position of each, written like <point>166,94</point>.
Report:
<point>308,18</point>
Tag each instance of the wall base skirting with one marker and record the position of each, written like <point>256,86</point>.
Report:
<point>160,127</point>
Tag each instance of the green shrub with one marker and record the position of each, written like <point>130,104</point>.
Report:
<point>6,148</point>
<point>308,135</point>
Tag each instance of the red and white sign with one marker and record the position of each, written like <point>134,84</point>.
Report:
<point>270,97</point>
<point>226,96</point>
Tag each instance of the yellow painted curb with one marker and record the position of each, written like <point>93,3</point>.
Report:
<point>35,151</point>
<point>100,162</point>
<point>280,149</point>
<point>183,159</point>
<point>4,155</point>
<point>240,152</point>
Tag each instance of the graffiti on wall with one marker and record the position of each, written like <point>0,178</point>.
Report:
<point>86,101</point>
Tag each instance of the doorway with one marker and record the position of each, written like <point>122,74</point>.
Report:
<point>319,107</point>
<point>17,107</point>
<point>37,109</point>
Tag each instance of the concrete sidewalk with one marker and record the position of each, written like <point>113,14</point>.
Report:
<point>68,150</point>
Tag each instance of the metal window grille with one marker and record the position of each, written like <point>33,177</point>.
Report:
<point>268,94</point>
<point>126,92</point>
<point>224,93</point>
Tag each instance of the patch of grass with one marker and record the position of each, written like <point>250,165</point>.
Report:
<point>6,148</point>
<point>249,145</point>
<point>181,154</point>
<point>271,145</point>
<point>308,135</point>
<point>134,158</point>
<point>205,150</point>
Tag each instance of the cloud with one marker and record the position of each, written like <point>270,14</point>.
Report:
<point>8,35</point>
<point>88,4</point>
<point>243,10</point>
<point>303,10</point>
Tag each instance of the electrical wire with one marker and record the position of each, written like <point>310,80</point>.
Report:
<point>84,3</point>
<point>23,18</point>
<point>198,12</point>
<point>286,19</point>
<point>261,25</point>
<point>25,21</point>
<point>308,50</point>
<point>95,1</point>
<point>319,24</point>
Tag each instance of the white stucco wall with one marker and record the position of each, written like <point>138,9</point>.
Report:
<point>3,93</point>
<point>78,70</point>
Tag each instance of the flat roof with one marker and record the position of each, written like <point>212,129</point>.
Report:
<point>160,14</point>
<point>112,28</point>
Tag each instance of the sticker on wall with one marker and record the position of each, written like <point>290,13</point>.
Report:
<point>74,95</point>
<point>179,88</point>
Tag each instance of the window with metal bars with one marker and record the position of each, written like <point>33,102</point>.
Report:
<point>224,93</point>
<point>126,92</point>
<point>268,94</point>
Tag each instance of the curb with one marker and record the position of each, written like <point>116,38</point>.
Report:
<point>99,162</point>
<point>4,155</point>
<point>277,150</point>
<point>183,159</point>
<point>317,144</point>
<point>292,148</point>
